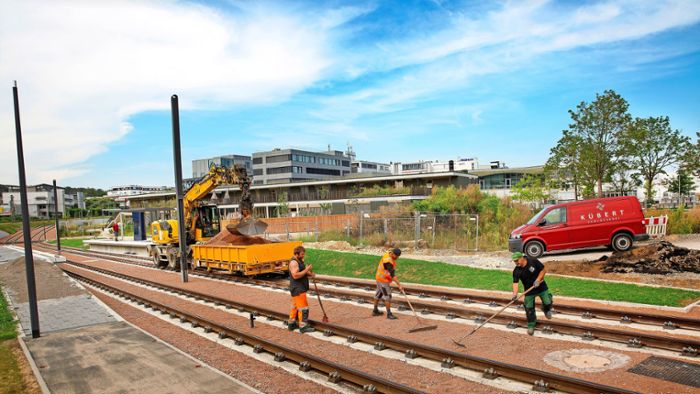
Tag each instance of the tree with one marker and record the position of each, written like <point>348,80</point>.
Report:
<point>563,163</point>
<point>531,189</point>
<point>652,146</point>
<point>283,204</point>
<point>682,182</point>
<point>596,128</point>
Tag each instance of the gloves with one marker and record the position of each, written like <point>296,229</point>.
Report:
<point>536,284</point>
<point>514,297</point>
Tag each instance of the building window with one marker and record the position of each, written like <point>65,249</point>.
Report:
<point>369,166</point>
<point>279,170</point>
<point>412,166</point>
<point>257,160</point>
<point>297,170</point>
<point>278,158</point>
<point>322,171</point>
<point>346,163</point>
<point>258,171</point>
<point>258,182</point>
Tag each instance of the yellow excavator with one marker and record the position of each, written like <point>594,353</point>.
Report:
<point>202,221</point>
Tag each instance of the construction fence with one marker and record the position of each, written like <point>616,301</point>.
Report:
<point>422,230</point>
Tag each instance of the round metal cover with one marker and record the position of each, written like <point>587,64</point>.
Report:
<point>585,360</point>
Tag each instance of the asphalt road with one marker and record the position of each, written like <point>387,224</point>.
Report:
<point>592,254</point>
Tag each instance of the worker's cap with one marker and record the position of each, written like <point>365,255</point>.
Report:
<point>396,251</point>
<point>516,256</point>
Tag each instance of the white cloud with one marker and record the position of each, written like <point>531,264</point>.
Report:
<point>84,67</point>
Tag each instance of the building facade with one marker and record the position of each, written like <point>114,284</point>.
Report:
<point>294,165</point>
<point>424,167</point>
<point>200,167</point>
<point>40,200</point>
<point>370,167</point>
<point>133,190</point>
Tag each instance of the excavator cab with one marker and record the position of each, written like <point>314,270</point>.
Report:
<point>207,222</point>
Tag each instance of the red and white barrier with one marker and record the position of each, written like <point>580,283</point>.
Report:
<point>656,226</point>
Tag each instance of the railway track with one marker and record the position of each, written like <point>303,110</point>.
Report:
<point>591,313</point>
<point>628,336</point>
<point>37,234</point>
<point>541,380</point>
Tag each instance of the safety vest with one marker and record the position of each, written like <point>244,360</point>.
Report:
<point>383,275</point>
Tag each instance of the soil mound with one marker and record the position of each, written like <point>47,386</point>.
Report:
<point>227,238</point>
<point>656,258</point>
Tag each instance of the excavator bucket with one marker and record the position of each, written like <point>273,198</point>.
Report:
<point>248,227</point>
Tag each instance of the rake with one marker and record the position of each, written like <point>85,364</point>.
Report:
<point>325,318</point>
<point>459,341</point>
<point>421,326</point>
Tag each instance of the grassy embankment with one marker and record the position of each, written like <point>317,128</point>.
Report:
<point>10,375</point>
<point>442,274</point>
<point>13,227</point>
<point>72,242</point>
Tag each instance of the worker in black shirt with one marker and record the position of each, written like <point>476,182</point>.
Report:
<point>531,272</point>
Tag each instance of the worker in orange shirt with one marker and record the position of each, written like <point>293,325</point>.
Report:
<point>299,274</point>
<point>386,273</point>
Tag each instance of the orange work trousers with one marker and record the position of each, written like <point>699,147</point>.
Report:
<point>300,309</point>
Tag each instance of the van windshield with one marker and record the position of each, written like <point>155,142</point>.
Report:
<point>534,218</point>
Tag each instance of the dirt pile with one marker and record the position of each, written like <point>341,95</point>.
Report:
<point>656,258</point>
<point>227,238</point>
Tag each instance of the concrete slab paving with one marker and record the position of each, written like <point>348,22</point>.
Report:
<point>65,313</point>
<point>118,358</point>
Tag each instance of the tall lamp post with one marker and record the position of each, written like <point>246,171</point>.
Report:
<point>178,186</point>
<point>26,230</point>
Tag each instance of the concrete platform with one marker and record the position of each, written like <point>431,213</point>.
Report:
<point>118,358</point>
<point>128,247</point>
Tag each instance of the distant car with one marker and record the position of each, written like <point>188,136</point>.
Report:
<point>616,222</point>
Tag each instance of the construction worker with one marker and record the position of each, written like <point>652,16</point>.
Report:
<point>115,230</point>
<point>386,273</point>
<point>531,272</point>
<point>299,274</point>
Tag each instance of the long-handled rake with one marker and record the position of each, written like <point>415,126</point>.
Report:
<point>421,326</point>
<point>325,318</point>
<point>459,341</point>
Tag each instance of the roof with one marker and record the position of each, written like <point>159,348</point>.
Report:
<point>513,170</point>
<point>368,178</point>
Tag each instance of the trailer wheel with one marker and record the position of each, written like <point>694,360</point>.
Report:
<point>622,242</point>
<point>534,249</point>
<point>156,257</point>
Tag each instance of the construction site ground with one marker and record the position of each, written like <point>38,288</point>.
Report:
<point>512,346</point>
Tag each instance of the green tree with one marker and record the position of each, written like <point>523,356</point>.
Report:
<point>682,182</point>
<point>283,204</point>
<point>652,146</point>
<point>531,189</point>
<point>563,163</point>
<point>596,128</point>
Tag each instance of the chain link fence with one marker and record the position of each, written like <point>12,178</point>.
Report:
<point>422,230</point>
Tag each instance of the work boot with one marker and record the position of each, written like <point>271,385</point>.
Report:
<point>548,314</point>
<point>306,329</point>
<point>391,316</point>
<point>292,326</point>
<point>531,331</point>
<point>377,312</point>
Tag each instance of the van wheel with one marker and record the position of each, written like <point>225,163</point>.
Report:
<point>622,242</point>
<point>534,249</point>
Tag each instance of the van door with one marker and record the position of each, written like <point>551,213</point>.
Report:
<point>553,229</point>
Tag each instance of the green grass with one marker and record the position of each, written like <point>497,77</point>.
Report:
<point>72,242</point>
<point>7,322</point>
<point>10,375</point>
<point>442,274</point>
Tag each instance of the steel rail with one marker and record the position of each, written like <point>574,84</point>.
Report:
<point>306,361</point>
<point>447,358</point>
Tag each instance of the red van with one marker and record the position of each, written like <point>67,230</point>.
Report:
<point>615,222</point>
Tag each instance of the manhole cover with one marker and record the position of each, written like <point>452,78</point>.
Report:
<point>585,360</point>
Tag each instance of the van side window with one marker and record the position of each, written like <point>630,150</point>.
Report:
<point>556,216</point>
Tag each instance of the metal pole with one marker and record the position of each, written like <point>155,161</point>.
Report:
<point>178,186</point>
<point>58,235</point>
<point>28,256</point>
<point>417,234</point>
<point>477,232</point>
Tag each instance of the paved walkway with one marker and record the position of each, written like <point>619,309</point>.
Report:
<point>84,348</point>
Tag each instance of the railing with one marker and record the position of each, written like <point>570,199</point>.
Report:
<point>335,195</point>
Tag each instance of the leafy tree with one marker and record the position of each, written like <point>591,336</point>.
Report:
<point>682,182</point>
<point>531,189</point>
<point>652,146</point>
<point>283,204</point>
<point>563,163</point>
<point>624,176</point>
<point>596,130</point>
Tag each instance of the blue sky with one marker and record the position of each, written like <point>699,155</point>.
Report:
<point>400,81</point>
